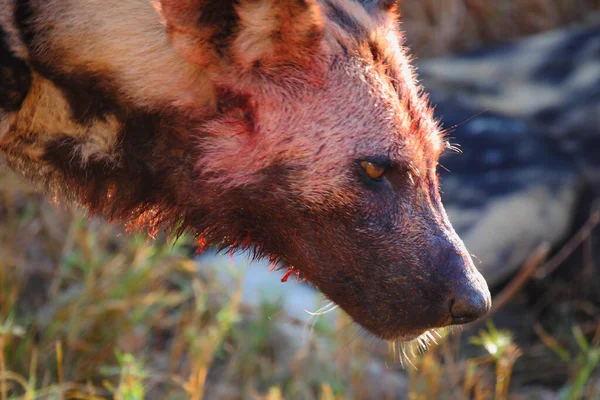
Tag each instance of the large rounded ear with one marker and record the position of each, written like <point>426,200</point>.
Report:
<point>246,32</point>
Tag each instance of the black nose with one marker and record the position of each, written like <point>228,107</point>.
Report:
<point>470,303</point>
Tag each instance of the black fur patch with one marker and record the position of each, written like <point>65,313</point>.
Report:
<point>130,179</point>
<point>93,181</point>
<point>15,77</point>
<point>90,96</point>
<point>222,14</point>
<point>151,175</point>
<point>382,4</point>
<point>345,20</point>
<point>375,51</point>
<point>24,13</point>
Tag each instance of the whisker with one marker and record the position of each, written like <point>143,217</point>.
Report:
<point>431,337</point>
<point>451,128</point>
<point>323,310</point>
<point>445,168</point>
<point>403,347</point>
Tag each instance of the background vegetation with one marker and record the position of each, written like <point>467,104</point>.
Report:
<point>90,312</point>
<point>437,27</point>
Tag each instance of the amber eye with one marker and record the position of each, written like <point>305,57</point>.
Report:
<point>373,171</point>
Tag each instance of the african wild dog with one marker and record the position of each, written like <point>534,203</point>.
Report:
<point>294,127</point>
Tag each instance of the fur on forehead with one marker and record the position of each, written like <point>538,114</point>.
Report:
<point>257,140</point>
<point>242,35</point>
<point>374,37</point>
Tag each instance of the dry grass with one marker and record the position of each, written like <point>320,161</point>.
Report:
<point>436,27</point>
<point>87,312</point>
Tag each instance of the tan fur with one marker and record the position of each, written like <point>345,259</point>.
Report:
<point>258,20</point>
<point>46,114</point>
<point>113,35</point>
<point>269,30</point>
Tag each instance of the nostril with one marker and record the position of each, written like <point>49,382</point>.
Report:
<point>462,313</point>
<point>468,308</point>
<point>461,319</point>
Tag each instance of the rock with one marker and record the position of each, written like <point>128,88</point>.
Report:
<point>527,118</point>
<point>259,285</point>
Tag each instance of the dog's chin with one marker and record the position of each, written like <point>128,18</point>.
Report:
<point>410,336</point>
<point>401,337</point>
<point>420,337</point>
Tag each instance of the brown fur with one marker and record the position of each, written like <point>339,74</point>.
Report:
<point>245,121</point>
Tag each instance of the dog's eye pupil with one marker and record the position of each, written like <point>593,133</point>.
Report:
<point>373,171</point>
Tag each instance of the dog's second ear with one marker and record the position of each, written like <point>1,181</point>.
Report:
<point>379,4</point>
<point>199,30</point>
<point>244,32</point>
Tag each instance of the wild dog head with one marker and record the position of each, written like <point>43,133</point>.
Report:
<point>328,164</point>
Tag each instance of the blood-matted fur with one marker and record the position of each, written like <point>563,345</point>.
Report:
<point>244,121</point>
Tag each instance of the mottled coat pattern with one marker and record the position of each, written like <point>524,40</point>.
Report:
<point>294,127</point>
